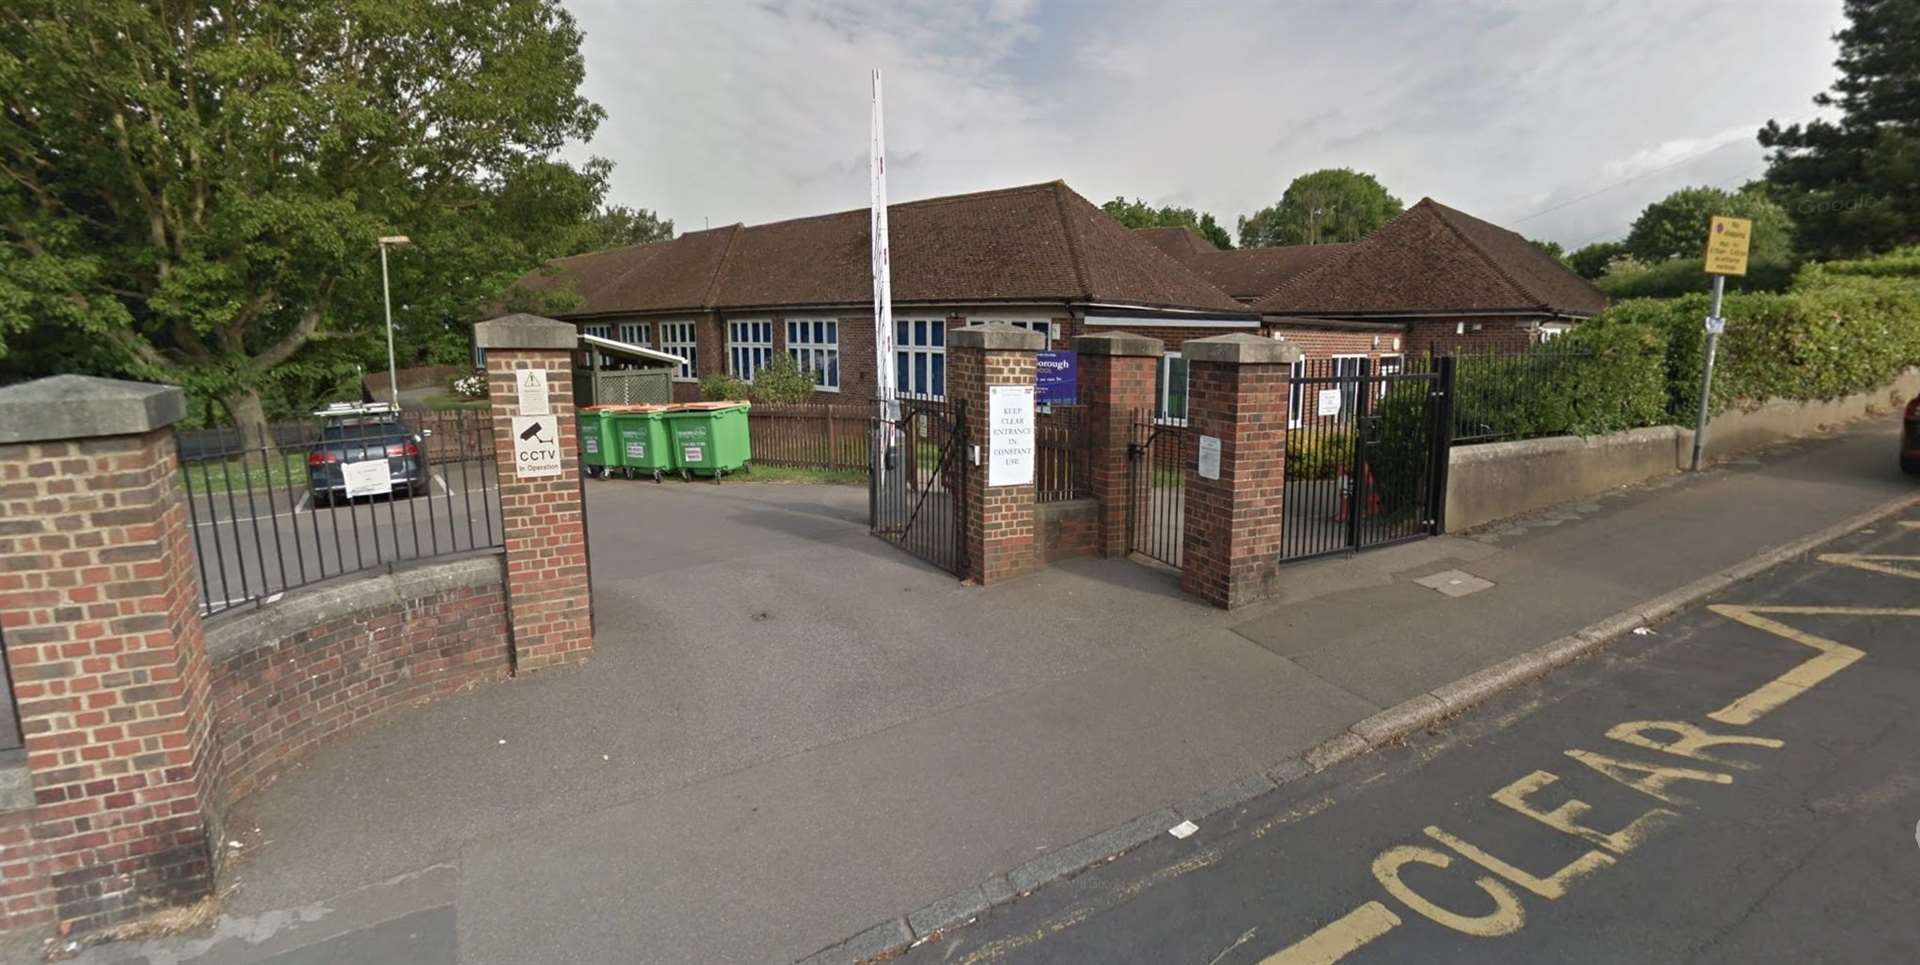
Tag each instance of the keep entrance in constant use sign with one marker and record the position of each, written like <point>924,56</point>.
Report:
<point>1010,445</point>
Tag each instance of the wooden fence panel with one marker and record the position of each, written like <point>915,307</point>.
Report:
<point>817,436</point>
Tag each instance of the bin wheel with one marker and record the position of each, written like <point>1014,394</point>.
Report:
<point>657,474</point>
<point>629,472</point>
<point>686,476</point>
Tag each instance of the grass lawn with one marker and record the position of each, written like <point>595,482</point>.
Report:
<point>448,402</point>
<point>798,474</point>
<point>284,471</point>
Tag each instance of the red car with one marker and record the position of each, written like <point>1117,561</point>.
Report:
<point>1910,439</point>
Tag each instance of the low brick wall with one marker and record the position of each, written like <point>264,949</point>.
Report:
<point>300,671</point>
<point>1494,481</point>
<point>1069,528</point>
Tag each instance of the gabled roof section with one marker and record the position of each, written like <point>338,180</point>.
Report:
<point>1039,242</point>
<point>1434,259</point>
<point>1244,273</point>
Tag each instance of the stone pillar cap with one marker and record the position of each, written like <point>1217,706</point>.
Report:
<point>1241,349</point>
<point>521,330</point>
<point>1118,343</point>
<point>84,406</point>
<point>997,337</point>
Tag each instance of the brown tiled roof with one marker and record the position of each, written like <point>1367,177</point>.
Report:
<point>1039,242</point>
<point>1244,273</point>
<point>1435,259</point>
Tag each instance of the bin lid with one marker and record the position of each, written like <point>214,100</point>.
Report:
<point>707,406</point>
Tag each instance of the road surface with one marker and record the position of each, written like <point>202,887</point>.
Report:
<point>1740,784</point>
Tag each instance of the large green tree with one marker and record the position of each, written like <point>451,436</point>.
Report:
<point>192,190</point>
<point>1676,226</point>
<point>618,226</point>
<point>1328,206</point>
<point>1139,214</point>
<point>1853,183</point>
<point>1590,261</point>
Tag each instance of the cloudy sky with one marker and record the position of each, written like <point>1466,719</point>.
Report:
<point>1558,118</point>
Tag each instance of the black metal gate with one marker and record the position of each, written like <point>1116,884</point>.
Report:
<point>1366,455</point>
<point>917,487</point>
<point>1158,454</point>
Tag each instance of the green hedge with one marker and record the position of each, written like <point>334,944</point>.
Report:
<point>1594,379</point>
<point>1684,276</point>
<point>1845,327</point>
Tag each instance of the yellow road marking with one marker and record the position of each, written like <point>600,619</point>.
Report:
<point>1690,741</point>
<point>1655,778</point>
<point>1910,523</point>
<point>1875,563</point>
<point>1552,887</point>
<point>1506,917</point>
<point>1339,938</point>
<point>1566,817</point>
<point>1833,658</point>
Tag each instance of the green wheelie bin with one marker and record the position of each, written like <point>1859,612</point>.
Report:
<point>642,440</point>
<point>709,438</point>
<point>598,455</point>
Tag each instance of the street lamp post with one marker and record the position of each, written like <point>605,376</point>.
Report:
<point>386,297</point>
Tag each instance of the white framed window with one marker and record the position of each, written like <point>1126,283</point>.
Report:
<point>1388,365</point>
<point>814,344</point>
<point>636,333</point>
<point>1170,389</point>
<point>1348,368</point>
<point>597,330</point>
<point>749,346</point>
<point>678,338</point>
<point>920,357</point>
<point>1042,325</point>
<point>1296,392</point>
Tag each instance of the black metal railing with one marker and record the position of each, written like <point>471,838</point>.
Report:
<point>1065,445</point>
<point>324,501</point>
<point>1517,395</point>
<point>917,488</point>
<point>1159,452</point>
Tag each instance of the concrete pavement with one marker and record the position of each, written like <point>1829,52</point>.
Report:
<point>792,731</point>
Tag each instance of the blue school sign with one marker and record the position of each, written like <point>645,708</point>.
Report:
<point>1056,378</point>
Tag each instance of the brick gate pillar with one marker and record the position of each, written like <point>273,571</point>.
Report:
<point>542,510</point>
<point>1116,385</point>
<point>1237,394</point>
<point>108,812</point>
<point>1002,539</point>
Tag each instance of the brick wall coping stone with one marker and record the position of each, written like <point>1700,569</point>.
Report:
<point>1118,343</point>
<point>84,407</point>
<point>236,631</point>
<point>525,331</point>
<point>1241,349</point>
<point>996,337</point>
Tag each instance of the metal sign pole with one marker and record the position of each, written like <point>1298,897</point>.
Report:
<point>1714,326</point>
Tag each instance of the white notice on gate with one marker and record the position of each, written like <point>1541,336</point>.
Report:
<point>369,477</point>
<point>531,392</point>
<point>1010,447</point>
<point>536,447</point>
<point>1329,402</point>
<point>1209,457</point>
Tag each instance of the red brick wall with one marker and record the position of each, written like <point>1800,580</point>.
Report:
<point>1326,343</point>
<point>1001,536</point>
<point>1069,528</point>
<point>97,594</point>
<point>1496,334</point>
<point>1233,524</point>
<point>1114,388</point>
<point>542,520</point>
<point>277,695</point>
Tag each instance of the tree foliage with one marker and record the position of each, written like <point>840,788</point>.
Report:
<point>1552,249</point>
<point>1139,214</point>
<point>1676,226</point>
<point>1590,261</point>
<point>1849,182</point>
<point>617,226</point>
<point>1328,206</point>
<point>192,191</point>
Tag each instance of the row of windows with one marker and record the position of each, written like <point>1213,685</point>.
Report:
<point>919,357</point>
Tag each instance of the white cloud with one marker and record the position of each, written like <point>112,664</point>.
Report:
<point>753,112</point>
